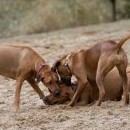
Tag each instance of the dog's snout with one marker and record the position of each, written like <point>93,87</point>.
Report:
<point>57,92</point>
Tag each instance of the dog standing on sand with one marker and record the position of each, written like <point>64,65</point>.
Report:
<point>23,63</point>
<point>92,65</point>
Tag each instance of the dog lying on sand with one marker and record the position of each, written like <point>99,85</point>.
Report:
<point>112,83</point>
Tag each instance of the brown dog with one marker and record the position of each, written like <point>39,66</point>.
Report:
<point>113,88</point>
<point>22,63</point>
<point>92,65</point>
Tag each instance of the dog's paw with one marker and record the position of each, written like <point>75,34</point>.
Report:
<point>44,106</point>
<point>127,100</point>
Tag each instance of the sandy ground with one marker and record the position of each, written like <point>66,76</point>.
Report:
<point>110,116</point>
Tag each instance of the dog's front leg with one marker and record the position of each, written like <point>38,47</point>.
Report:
<point>81,86</point>
<point>19,82</point>
<point>32,82</point>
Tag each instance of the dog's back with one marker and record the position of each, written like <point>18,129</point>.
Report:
<point>12,58</point>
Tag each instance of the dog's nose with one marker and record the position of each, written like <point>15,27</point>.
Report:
<point>57,92</point>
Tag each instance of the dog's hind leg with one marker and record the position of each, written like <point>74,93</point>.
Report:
<point>122,71</point>
<point>105,64</point>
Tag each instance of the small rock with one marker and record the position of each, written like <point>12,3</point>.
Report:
<point>109,113</point>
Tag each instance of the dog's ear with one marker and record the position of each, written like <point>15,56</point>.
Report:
<point>55,65</point>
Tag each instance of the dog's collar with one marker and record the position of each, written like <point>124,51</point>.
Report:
<point>66,62</point>
<point>38,69</point>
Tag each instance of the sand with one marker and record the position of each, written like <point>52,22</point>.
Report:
<point>31,116</point>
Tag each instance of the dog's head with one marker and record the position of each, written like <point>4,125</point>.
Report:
<point>63,71</point>
<point>48,78</point>
<point>66,94</point>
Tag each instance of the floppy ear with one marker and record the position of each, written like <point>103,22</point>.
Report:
<point>55,65</point>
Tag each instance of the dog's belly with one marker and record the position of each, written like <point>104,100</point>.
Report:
<point>8,67</point>
<point>10,73</point>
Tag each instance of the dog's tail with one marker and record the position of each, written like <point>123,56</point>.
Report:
<point>121,42</point>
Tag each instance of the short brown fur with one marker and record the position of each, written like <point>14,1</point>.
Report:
<point>113,87</point>
<point>92,65</point>
<point>23,63</point>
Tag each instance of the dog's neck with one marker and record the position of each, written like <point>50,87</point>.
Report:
<point>38,69</point>
<point>68,61</point>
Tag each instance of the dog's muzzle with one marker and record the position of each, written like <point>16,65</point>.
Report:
<point>46,101</point>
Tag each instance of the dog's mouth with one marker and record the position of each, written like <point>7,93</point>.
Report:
<point>58,102</point>
<point>47,101</point>
<point>50,102</point>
